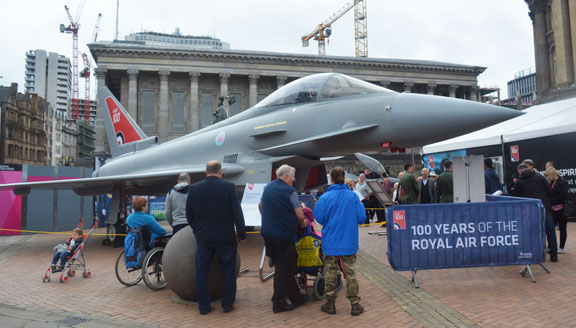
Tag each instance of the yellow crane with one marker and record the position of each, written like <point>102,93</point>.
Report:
<point>323,31</point>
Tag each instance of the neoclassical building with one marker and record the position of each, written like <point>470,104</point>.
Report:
<point>173,91</point>
<point>554,23</point>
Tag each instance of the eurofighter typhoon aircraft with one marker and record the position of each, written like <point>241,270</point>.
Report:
<point>309,119</point>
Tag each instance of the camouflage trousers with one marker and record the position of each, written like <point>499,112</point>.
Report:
<point>331,269</point>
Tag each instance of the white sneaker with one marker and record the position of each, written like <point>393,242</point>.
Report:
<point>561,251</point>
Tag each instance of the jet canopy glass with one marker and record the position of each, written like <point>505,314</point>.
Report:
<point>319,87</point>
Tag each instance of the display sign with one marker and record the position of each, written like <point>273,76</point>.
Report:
<point>436,236</point>
<point>250,200</point>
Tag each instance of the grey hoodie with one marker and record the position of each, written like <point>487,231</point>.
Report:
<point>176,204</point>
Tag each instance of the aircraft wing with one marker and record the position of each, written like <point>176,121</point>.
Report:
<point>144,183</point>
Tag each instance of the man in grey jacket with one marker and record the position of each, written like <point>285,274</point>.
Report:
<point>176,203</point>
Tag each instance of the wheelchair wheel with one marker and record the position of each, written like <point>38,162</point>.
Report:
<point>152,269</point>
<point>127,276</point>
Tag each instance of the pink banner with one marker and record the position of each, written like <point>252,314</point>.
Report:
<point>10,204</point>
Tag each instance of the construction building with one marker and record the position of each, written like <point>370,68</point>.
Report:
<point>49,75</point>
<point>171,91</point>
<point>522,89</point>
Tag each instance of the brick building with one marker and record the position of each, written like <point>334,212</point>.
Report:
<point>23,137</point>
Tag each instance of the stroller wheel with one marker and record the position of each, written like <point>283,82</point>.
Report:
<point>319,287</point>
<point>63,279</point>
<point>301,280</point>
<point>46,278</point>
<point>72,273</point>
<point>87,274</point>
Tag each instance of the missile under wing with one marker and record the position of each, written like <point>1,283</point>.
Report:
<point>317,116</point>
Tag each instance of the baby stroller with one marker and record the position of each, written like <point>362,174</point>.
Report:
<point>76,260</point>
<point>310,266</point>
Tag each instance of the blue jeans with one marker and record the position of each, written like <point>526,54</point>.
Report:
<point>226,254</point>
<point>62,256</point>
<point>551,233</point>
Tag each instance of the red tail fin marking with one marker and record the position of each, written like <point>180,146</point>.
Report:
<point>125,132</point>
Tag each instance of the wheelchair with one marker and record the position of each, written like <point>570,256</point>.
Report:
<point>151,268</point>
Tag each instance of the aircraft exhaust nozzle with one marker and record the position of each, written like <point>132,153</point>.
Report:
<point>418,117</point>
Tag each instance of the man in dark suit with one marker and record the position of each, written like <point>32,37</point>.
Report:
<point>427,188</point>
<point>212,210</point>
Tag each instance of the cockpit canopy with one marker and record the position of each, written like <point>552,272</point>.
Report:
<point>319,87</point>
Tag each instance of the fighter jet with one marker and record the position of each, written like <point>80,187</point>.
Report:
<point>309,119</point>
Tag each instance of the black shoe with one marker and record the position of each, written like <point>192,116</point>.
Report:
<point>553,258</point>
<point>203,312</point>
<point>305,298</point>
<point>228,310</point>
<point>282,307</point>
<point>53,268</point>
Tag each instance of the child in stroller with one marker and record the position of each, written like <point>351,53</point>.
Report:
<point>63,251</point>
<point>71,255</point>
<point>309,263</point>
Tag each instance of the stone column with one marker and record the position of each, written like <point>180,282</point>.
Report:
<point>431,87</point>
<point>538,16</point>
<point>101,141</point>
<point>163,115</point>
<point>564,56</point>
<point>452,89</point>
<point>194,123</point>
<point>474,93</point>
<point>281,80</point>
<point>224,90</point>
<point>133,93</point>
<point>408,86</point>
<point>253,89</point>
<point>572,9</point>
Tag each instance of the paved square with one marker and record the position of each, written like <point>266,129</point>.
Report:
<point>490,297</point>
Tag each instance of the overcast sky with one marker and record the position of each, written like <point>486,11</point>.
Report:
<point>496,34</point>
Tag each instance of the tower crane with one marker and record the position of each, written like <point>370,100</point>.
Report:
<point>87,72</point>
<point>73,28</point>
<point>323,31</point>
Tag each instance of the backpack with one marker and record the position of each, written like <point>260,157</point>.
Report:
<point>135,247</point>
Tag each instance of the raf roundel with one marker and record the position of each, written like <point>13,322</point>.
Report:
<point>220,137</point>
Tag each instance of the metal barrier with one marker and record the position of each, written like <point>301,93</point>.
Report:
<point>264,277</point>
<point>502,231</point>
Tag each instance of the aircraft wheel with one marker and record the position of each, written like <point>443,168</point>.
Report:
<point>111,232</point>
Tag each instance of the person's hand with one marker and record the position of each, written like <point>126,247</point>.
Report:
<point>304,224</point>
<point>241,241</point>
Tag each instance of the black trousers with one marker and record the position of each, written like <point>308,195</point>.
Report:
<point>283,255</point>
<point>562,222</point>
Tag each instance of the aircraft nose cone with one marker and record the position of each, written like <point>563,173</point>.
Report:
<point>419,117</point>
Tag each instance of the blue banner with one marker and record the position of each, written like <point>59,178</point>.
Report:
<point>436,236</point>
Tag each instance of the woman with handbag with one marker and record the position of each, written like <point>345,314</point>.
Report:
<point>559,194</point>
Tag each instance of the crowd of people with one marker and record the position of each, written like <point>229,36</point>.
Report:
<point>212,209</point>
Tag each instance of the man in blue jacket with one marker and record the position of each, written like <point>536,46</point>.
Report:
<point>339,211</point>
<point>212,210</point>
<point>281,216</point>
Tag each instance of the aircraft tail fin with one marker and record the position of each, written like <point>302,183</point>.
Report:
<point>122,132</point>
